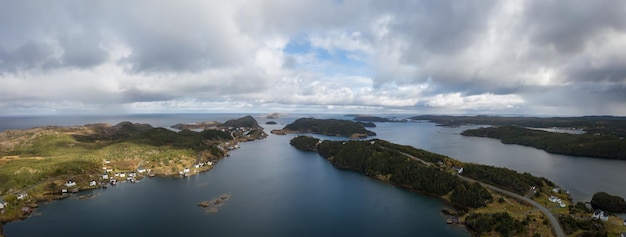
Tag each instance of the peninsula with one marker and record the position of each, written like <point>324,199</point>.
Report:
<point>328,127</point>
<point>592,136</point>
<point>47,163</point>
<point>490,200</point>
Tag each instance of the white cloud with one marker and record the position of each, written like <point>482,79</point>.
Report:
<point>490,56</point>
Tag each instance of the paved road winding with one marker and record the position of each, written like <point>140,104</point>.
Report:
<point>556,226</point>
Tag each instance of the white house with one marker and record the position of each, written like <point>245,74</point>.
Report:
<point>458,169</point>
<point>141,170</point>
<point>599,214</point>
<point>196,166</point>
<point>122,175</point>
<point>105,176</point>
<point>92,183</point>
<point>3,204</point>
<point>209,163</point>
<point>186,170</point>
<point>64,190</point>
<point>21,196</point>
<point>70,183</point>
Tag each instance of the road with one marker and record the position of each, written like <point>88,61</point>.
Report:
<point>556,226</point>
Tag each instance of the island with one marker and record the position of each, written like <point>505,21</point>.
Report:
<point>49,163</point>
<point>328,127</point>
<point>489,200</point>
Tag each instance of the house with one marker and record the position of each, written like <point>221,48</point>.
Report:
<point>64,190</point>
<point>105,176</point>
<point>141,170</point>
<point>209,163</point>
<point>70,183</point>
<point>186,170</point>
<point>122,175</point>
<point>599,214</point>
<point>132,174</point>
<point>458,169</point>
<point>92,183</point>
<point>196,166</point>
<point>3,204</point>
<point>556,189</point>
<point>21,196</point>
<point>107,161</point>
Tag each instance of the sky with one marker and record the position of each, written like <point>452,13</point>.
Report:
<point>526,57</point>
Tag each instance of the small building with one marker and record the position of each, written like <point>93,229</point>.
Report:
<point>64,190</point>
<point>196,166</point>
<point>92,183</point>
<point>556,189</point>
<point>21,196</point>
<point>141,170</point>
<point>107,161</point>
<point>599,215</point>
<point>132,174</point>
<point>186,170</point>
<point>70,183</point>
<point>3,204</point>
<point>209,163</point>
<point>458,169</point>
<point>122,175</point>
<point>105,176</point>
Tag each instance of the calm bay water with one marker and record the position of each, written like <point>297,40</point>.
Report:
<point>280,191</point>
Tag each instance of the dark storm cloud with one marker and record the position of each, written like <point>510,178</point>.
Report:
<point>568,25</point>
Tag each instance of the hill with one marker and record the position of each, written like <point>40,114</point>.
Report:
<point>329,127</point>
<point>592,145</point>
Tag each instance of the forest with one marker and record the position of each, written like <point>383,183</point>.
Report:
<point>592,145</point>
<point>379,159</point>
<point>329,127</point>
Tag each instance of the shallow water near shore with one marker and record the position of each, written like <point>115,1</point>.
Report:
<point>277,190</point>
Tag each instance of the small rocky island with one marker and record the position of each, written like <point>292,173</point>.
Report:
<point>214,204</point>
<point>328,127</point>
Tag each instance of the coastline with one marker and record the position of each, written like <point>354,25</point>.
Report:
<point>22,202</point>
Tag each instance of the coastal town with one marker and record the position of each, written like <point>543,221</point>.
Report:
<point>129,163</point>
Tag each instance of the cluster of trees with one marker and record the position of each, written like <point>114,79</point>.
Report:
<point>501,222</point>
<point>377,158</point>
<point>505,178</point>
<point>592,228</point>
<point>183,139</point>
<point>608,202</point>
<point>605,146</point>
<point>609,125</point>
<point>305,143</point>
<point>422,154</point>
<point>247,122</point>
<point>329,127</point>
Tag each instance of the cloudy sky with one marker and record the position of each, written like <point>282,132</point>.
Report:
<point>546,57</point>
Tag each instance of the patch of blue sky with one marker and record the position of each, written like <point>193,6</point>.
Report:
<point>335,62</point>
